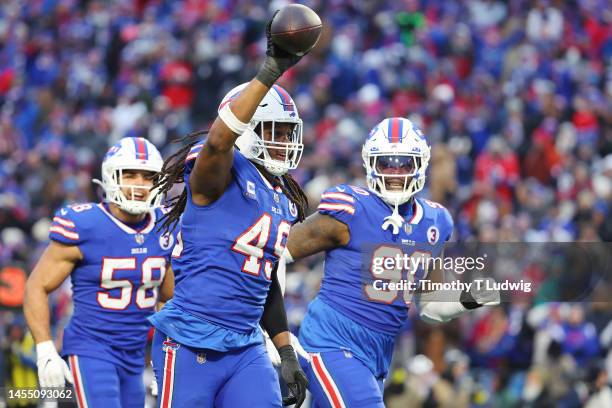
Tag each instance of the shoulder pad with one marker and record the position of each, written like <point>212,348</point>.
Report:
<point>69,223</point>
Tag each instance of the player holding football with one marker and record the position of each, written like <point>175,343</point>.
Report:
<point>118,262</point>
<point>235,213</point>
<point>350,327</point>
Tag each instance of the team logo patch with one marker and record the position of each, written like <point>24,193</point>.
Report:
<point>433,235</point>
<point>166,241</point>
<point>201,358</point>
<point>360,190</point>
<point>170,345</point>
<point>139,238</point>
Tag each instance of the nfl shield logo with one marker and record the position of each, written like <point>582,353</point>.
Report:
<point>407,228</point>
<point>139,239</point>
<point>201,358</point>
<point>276,198</point>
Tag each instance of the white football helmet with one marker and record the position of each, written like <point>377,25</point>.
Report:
<point>396,151</point>
<point>276,107</point>
<point>130,153</point>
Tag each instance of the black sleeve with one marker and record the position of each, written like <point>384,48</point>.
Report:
<point>274,318</point>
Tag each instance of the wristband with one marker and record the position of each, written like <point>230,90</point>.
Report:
<point>269,72</point>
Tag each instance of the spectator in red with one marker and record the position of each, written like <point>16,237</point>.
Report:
<point>498,166</point>
<point>542,160</point>
<point>177,76</point>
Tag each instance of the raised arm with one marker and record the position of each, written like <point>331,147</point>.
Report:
<point>317,233</point>
<point>211,174</point>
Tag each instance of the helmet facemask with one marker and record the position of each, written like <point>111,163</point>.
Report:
<point>395,177</point>
<point>112,183</point>
<point>276,144</point>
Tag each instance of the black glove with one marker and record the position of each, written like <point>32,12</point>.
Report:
<point>293,376</point>
<point>277,60</point>
<point>479,295</point>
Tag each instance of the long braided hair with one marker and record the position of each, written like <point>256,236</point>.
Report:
<point>173,172</point>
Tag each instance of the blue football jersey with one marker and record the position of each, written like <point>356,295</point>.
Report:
<point>348,291</point>
<point>223,260</point>
<point>115,285</point>
<point>348,280</point>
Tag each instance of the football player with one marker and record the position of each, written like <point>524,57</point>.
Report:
<point>235,213</point>
<point>118,263</point>
<point>350,327</point>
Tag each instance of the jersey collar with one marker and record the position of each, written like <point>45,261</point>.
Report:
<point>417,212</point>
<point>266,182</point>
<point>126,228</point>
<point>415,215</point>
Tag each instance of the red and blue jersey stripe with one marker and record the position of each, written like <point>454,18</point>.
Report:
<point>395,130</point>
<point>142,151</point>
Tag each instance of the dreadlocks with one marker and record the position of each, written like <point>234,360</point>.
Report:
<point>294,192</point>
<point>173,171</point>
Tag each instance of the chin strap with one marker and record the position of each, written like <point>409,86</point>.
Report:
<point>394,220</point>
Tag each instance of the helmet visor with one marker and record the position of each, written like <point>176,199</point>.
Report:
<point>396,165</point>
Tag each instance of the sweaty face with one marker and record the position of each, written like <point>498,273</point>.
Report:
<point>283,133</point>
<point>404,167</point>
<point>136,184</point>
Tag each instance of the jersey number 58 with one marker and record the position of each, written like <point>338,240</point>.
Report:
<point>146,294</point>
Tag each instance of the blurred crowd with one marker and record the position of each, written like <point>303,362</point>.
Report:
<point>514,96</point>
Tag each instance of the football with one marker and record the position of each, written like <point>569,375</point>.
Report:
<point>296,29</point>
